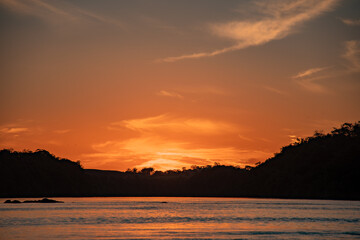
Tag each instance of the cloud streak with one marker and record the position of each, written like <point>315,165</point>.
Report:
<point>171,124</point>
<point>169,142</point>
<point>352,55</point>
<point>280,19</point>
<point>169,94</point>
<point>309,72</point>
<point>13,130</point>
<point>56,13</point>
<point>162,154</point>
<point>307,80</point>
<point>311,85</point>
<point>351,22</point>
<point>274,90</point>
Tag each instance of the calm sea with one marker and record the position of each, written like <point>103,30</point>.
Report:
<point>181,218</point>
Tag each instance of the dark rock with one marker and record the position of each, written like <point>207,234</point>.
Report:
<point>47,200</point>
<point>13,201</point>
<point>44,200</point>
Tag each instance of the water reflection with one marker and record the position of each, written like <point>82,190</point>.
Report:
<point>215,218</point>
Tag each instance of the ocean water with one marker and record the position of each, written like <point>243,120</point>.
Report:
<point>181,218</point>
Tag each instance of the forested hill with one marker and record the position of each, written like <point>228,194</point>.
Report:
<point>324,166</point>
<point>321,166</point>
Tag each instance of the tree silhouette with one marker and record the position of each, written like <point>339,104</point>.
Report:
<point>319,166</point>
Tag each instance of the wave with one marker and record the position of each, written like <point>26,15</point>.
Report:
<point>5,222</point>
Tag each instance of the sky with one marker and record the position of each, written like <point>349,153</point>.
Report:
<point>171,84</point>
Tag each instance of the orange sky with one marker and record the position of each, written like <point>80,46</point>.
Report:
<point>170,84</point>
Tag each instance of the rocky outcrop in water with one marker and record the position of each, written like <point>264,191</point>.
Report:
<point>12,201</point>
<point>44,200</point>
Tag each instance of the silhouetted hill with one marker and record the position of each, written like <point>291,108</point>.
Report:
<point>39,174</point>
<point>321,166</point>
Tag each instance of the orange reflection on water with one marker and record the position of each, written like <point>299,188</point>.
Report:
<point>166,217</point>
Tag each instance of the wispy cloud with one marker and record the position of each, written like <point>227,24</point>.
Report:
<point>280,19</point>
<point>352,55</point>
<point>275,90</point>
<point>62,131</point>
<point>293,138</point>
<point>169,142</point>
<point>206,90</point>
<point>32,7</point>
<point>308,79</point>
<point>160,153</point>
<point>351,22</point>
<point>169,94</point>
<point>168,123</point>
<point>309,72</point>
<point>312,85</point>
<point>201,55</point>
<point>56,12</point>
<point>194,91</point>
<point>14,130</point>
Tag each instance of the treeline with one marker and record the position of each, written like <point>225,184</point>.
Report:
<point>324,166</point>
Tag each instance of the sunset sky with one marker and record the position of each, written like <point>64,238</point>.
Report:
<point>170,84</point>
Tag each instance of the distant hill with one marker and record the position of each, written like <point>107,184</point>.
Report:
<point>324,166</point>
